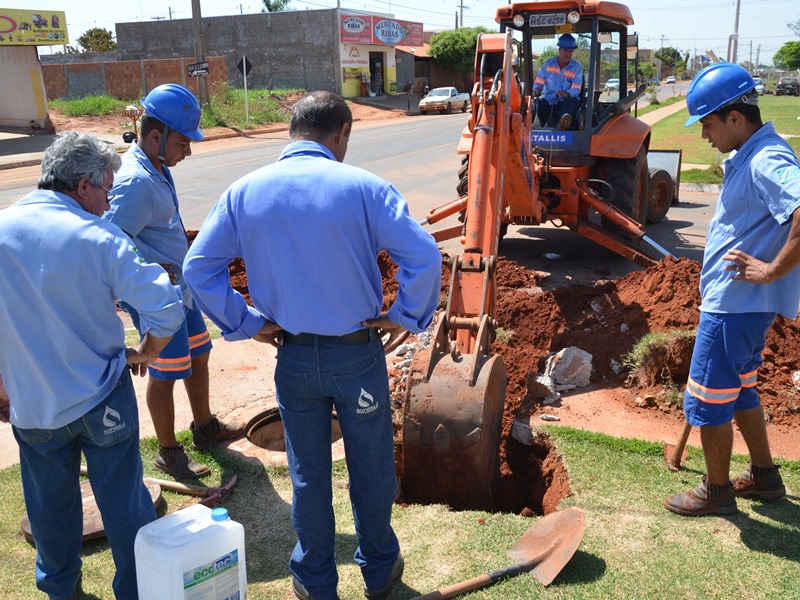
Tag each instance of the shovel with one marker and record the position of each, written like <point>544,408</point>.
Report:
<point>676,455</point>
<point>211,496</point>
<point>543,551</point>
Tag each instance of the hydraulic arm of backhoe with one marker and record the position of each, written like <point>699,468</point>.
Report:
<point>454,407</point>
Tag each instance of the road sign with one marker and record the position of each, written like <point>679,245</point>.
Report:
<point>244,66</point>
<point>197,69</point>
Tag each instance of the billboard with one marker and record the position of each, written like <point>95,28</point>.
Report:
<point>32,27</point>
<point>369,29</point>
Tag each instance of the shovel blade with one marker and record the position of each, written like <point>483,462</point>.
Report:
<point>550,543</point>
<point>674,462</point>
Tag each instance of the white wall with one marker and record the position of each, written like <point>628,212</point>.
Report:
<point>23,101</point>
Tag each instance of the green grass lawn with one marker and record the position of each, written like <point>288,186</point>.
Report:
<point>632,547</point>
<point>669,133</point>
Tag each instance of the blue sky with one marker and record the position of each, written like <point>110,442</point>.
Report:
<point>684,24</point>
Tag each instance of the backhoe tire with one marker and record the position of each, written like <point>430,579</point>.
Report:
<point>629,179</point>
<point>464,107</point>
<point>662,188</point>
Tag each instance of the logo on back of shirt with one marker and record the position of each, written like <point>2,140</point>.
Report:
<point>112,421</point>
<point>366,403</point>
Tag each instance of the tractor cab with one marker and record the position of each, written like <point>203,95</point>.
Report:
<point>603,51</point>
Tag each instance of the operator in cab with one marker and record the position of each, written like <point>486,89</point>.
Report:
<point>559,82</point>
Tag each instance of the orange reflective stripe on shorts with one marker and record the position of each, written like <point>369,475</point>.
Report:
<point>172,364</point>
<point>749,379</point>
<point>710,395</point>
<point>198,340</point>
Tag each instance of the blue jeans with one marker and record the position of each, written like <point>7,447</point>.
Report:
<point>549,114</point>
<point>50,460</point>
<point>310,381</point>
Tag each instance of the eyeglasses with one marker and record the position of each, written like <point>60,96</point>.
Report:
<point>102,187</point>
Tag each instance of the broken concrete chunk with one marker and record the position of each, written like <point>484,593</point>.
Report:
<point>570,366</point>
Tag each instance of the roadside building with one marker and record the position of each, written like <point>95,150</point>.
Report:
<point>23,100</point>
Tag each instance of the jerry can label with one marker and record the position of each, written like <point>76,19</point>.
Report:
<point>218,579</point>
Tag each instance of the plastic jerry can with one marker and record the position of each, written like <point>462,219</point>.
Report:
<point>192,554</point>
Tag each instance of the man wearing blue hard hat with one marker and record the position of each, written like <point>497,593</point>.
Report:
<point>144,205</point>
<point>750,275</point>
<point>561,78</point>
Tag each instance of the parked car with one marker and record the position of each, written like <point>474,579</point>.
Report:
<point>654,81</point>
<point>612,84</point>
<point>788,86</point>
<point>671,79</point>
<point>444,99</point>
<point>761,87</point>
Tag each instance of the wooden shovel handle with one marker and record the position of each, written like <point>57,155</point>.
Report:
<point>481,581</point>
<point>675,461</point>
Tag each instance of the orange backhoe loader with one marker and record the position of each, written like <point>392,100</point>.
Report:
<point>593,179</point>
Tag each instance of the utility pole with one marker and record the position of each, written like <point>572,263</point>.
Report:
<point>462,13</point>
<point>752,70</point>
<point>758,54</point>
<point>661,57</point>
<point>200,52</point>
<point>456,19</point>
<point>733,41</point>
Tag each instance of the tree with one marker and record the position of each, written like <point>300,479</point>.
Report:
<point>669,56</point>
<point>275,5</point>
<point>795,26</point>
<point>455,50</point>
<point>788,56</point>
<point>97,39</point>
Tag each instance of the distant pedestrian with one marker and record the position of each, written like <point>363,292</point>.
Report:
<point>64,364</point>
<point>310,229</point>
<point>750,274</point>
<point>144,204</point>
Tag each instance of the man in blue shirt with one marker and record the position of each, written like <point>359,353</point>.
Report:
<point>144,205</point>
<point>750,273</point>
<point>309,229</point>
<point>561,78</point>
<point>64,363</point>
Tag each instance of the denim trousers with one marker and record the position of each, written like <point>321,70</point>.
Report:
<point>108,435</point>
<point>310,381</point>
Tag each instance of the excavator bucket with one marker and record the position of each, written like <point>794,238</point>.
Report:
<point>451,429</point>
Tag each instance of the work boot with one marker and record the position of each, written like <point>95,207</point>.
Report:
<point>564,122</point>
<point>397,571</point>
<point>764,483</point>
<point>705,499</point>
<point>177,463</point>
<point>300,590</point>
<point>215,431</point>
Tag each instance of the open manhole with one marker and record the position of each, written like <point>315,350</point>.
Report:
<point>265,430</point>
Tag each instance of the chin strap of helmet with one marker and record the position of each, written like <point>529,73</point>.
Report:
<point>163,147</point>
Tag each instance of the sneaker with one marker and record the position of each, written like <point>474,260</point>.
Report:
<point>397,571</point>
<point>703,500</point>
<point>215,431</point>
<point>564,122</point>
<point>759,482</point>
<point>177,463</point>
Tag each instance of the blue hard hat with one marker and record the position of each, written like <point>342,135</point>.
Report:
<point>567,42</point>
<point>174,105</point>
<point>716,86</point>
